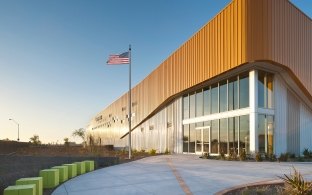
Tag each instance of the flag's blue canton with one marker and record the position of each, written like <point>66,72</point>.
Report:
<point>124,55</point>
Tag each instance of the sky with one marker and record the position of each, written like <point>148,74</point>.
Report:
<point>53,73</point>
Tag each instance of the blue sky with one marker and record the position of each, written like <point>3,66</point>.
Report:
<point>53,75</point>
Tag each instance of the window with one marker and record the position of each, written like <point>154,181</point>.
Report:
<point>186,107</point>
<point>206,136</point>
<point>192,138</point>
<point>261,98</point>
<point>270,90</point>
<point>244,133</point>
<point>223,96</point>
<point>233,135</point>
<point>214,99</point>
<point>265,90</point>
<point>185,137</point>
<point>192,105</point>
<point>265,133</point>
<point>207,101</point>
<point>261,133</point>
<point>199,142</point>
<point>199,103</point>
<point>244,90</point>
<point>223,136</point>
<point>233,93</point>
<point>214,136</point>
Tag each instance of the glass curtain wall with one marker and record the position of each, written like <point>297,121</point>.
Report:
<point>206,136</point>
<point>229,94</point>
<point>215,136</point>
<point>224,136</point>
<point>220,135</point>
<point>186,132</point>
<point>199,139</point>
<point>214,99</point>
<point>265,134</point>
<point>233,93</point>
<point>192,138</point>
<point>244,90</point>
<point>223,96</point>
<point>186,107</point>
<point>233,135</point>
<point>228,135</point>
<point>192,105</point>
<point>207,101</point>
<point>265,90</point>
<point>199,103</point>
<point>244,133</point>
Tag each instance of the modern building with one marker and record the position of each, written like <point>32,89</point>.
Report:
<point>243,82</point>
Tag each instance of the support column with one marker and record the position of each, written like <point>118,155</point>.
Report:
<point>253,104</point>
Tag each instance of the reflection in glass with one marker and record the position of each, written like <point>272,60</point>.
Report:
<point>192,105</point>
<point>207,101</point>
<point>192,138</point>
<point>233,93</point>
<point>233,135</point>
<point>270,90</point>
<point>199,103</point>
<point>185,107</point>
<point>270,134</point>
<point>223,96</point>
<point>214,99</point>
<point>199,142</point>
<point>214,136</point>
<point>185,137</point>
<point>244,133</point>
<point>243,90</point>
<point>261,91</point>
<point>261,133</point>
<point>223,136</point>
<point>265,133</point>
<point>206,136</point>
<point>265,90</point>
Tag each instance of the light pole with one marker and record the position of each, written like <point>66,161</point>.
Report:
<point>17,127</point>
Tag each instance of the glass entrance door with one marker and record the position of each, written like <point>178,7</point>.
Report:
<point>206,140</point>
<point>199,141</point>
<point>202,139</point>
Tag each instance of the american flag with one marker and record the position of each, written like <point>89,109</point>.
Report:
<point>118,59</point>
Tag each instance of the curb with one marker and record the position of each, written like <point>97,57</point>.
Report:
<point>261,183</point>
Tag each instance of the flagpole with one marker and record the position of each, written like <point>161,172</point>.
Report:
<point>130,114</point>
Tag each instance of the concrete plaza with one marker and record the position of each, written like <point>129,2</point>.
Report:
<point>176,174</point>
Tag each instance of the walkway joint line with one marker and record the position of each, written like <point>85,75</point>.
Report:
<point>180,180</point>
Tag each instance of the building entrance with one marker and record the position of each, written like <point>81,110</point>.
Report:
<point>202,140</point>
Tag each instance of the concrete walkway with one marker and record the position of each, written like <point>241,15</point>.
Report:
<point>176,174</point>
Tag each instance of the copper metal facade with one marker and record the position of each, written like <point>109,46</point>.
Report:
<point>245,31</point>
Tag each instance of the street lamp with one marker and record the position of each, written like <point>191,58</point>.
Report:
<point>17,127</point>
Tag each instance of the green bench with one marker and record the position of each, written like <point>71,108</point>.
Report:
<point>81,167</point>
<point>72,170</point>
<point>50,178</point>
<point>29,189</point>
<point>63,173</point>
<point>32,180</point>
<point>89,165</point>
